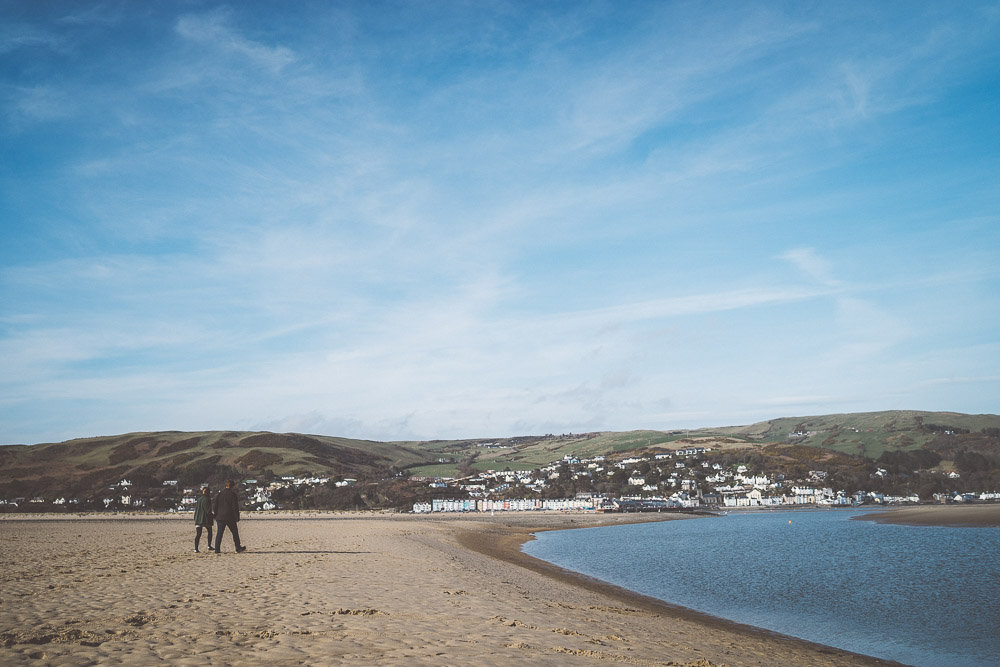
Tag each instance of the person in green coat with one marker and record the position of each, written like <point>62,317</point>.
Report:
<point>203,518</point>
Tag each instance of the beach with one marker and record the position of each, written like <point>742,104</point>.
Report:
<point>355,589</point>
<point>938,515</point>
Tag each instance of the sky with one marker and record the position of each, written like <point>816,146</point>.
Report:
<point>422,220</point>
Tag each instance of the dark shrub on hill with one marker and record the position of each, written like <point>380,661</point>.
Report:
<point>206,470</point>
<point>899,460</point>
<point>258,460</point>
<point>969,462</point>
<point>317,448</point>
<point>180,459</point>
<point>61,450</point>
<point>100,478</point>
<point>179,446</point>
<point>122,453</point>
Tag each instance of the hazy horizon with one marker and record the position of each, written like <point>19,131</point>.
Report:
<point>413,221</point>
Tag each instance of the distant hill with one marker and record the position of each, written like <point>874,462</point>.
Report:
<point>80,466</point>
<point>865,433</point>
<point>146,459</point>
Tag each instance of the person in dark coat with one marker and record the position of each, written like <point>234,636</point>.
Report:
<point>203,518</point>
<point>227,515</point>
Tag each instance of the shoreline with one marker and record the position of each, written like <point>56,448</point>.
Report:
<point>348,589</point>
<point>951,516</point>
<point>508,547</point>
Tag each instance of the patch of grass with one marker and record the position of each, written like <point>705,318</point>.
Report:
<point>439,470</point>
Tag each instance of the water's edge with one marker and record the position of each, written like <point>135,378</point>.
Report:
<point>513,551</point>
<point>639,570</point>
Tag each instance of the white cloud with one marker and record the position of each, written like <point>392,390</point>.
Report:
<point>814,266</point>
<point>41,103</point>
<point>15,36</point>
<point>214,30</point>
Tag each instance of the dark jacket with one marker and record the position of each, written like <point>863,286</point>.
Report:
<point>227,506</point>
<point>203,511</point>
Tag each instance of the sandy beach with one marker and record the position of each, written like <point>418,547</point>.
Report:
<point>938,515</point>
<point>343,589</point>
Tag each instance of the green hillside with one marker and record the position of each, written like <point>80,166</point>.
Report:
<point>863,433</point>
<point>525,453</point>
<point>149,458</point>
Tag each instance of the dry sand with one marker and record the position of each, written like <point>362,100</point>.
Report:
<point>939,515</point>
<point>344,589</point>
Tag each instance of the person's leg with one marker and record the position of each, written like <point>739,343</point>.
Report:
<point>219,528</point>
<point>197,538</point>
<point>234,529</point>
<point>209,526</point>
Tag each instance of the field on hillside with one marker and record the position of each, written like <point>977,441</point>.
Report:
<point>863,434</point>
<point>529,453</point>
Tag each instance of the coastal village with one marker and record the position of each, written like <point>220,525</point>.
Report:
<point>257,495</point>
<point>682,479</point>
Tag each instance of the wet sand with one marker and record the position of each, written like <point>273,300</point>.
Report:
<point>938,515</point>
<point>343,589</point>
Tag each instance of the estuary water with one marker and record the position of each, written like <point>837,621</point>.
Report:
<point>927,596</point>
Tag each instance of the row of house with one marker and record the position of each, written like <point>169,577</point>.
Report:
<point>675,486</point>
<point>509,505</point>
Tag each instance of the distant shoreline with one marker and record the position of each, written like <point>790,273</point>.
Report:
<point>911,515</point>
<point>954,516</point>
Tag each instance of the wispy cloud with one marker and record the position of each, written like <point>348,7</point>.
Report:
<point>214,30</point>
<point>963,380</point>
<point>15,36</point>
<point>814,266</point>
<point>41,103</point>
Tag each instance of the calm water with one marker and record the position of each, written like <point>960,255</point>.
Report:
<point>927,596</point>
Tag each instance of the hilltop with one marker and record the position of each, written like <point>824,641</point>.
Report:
<point>864,434</point>
<point>85,467</point>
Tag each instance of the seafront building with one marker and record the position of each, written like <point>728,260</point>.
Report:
<point>509,505</point>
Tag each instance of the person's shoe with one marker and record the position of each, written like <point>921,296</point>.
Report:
<point>218,553</point>
<point>196,551</point>
<point>211,548</point>
<point>240,550</point>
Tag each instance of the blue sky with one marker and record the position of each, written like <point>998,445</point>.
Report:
<point>422,220</point>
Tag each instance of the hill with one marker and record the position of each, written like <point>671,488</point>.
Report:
<point>147,459</point>
<point>867,434</point>
<point>84,466</point>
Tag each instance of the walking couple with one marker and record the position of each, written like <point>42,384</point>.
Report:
<point>226,515</point>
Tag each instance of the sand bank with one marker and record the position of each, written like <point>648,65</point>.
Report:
<point>938,515</point>
<point>344,589</point>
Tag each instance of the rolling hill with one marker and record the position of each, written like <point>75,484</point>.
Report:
<point>83,465</point>
<point>149,458</point>
<point>865,434</point>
